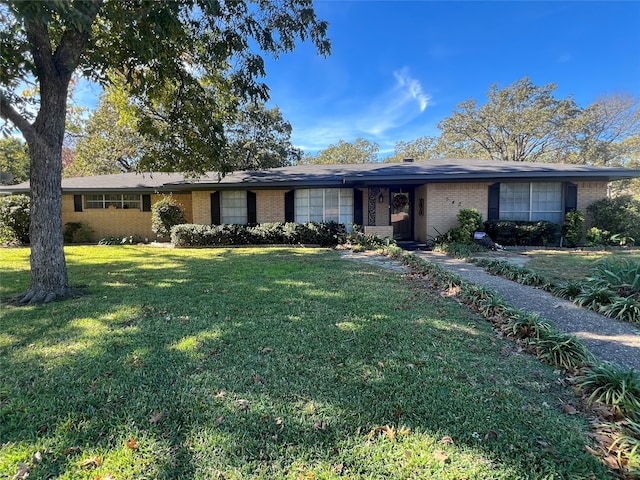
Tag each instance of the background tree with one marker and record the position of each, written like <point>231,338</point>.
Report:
<point>14,161</point>
<point>606,133</point>
<point>522,122</point>
<point>110,142</point>
<point>422,148</point>
<point>259,138</point>
<point>167,53</point>
<point>360,151</point>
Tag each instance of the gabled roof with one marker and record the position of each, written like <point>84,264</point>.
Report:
<point>440,170</point>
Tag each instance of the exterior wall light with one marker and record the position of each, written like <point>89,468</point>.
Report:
<point>381,198</point>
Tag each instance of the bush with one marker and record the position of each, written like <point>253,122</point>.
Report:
<point>469,221</point>
<point>323,234</point>
<point>572,228</point>
<point>129,240</point>
<point>597,237</point>
<point>14,216</point>
<point>77,232</point>
<point>165,214</point>
<point>620,216</point>
<point>512,232</point>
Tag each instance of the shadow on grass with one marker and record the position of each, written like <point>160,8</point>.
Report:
<point>270,363</point>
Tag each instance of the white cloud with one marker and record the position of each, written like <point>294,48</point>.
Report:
<point>373,118</point>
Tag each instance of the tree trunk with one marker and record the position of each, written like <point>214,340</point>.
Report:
<point>48,267</point>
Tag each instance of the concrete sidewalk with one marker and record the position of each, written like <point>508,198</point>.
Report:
<point>606,338</point>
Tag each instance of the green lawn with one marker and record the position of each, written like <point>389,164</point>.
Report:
<point>268,363</point>
<point>568,264</point>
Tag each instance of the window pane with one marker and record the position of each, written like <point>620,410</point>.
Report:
<point>331,205</point>
<point>546,201</point>
<point>302,206</point>
<point>131,201</point>
<point>514,201</point>
<point>233,207</point>
<point>94,201</point>
<point>346,206</point>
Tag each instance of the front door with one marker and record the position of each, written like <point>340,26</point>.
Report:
<point>401,215</point>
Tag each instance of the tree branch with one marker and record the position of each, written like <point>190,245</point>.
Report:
<point>11,114</point>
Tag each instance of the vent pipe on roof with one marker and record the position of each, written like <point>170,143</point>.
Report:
<point>407,160</point>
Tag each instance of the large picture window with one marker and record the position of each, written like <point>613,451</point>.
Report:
<point>233,207</point>
<point>531,201</point>
<point>112,200</point>
<point>324,205</point>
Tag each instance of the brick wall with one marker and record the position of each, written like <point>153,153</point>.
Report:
<point>420,221</point>
<point>270,206</point>
<point>589,192</point>
<point>119,222</point>
<point>201,205</point>
<point>444,201</point>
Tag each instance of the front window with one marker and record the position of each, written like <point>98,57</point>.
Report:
<point>531,201</point>
<point>233,207</point>
<point>324,205</point>
<point>112,200</point>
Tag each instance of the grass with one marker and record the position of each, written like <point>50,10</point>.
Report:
<point>268,363</point>
<point>568,265</point>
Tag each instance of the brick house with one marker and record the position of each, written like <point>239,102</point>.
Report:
<point>408,200</point>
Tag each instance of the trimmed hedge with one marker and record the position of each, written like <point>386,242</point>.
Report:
<point>511,233</point>
<point>324,234</point>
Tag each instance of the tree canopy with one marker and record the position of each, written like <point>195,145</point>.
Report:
<point>171,55</point>
<point>14,161</point>
<point>360,151</point>
<point>522,122</point>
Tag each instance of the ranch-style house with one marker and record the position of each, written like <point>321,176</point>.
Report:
<point>406,201</point>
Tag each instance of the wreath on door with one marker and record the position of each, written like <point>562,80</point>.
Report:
<point>400,201</point>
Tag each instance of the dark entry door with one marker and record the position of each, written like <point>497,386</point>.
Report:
<point>401,215</point>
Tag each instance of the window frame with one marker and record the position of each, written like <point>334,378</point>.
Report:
<point>533,199</point>
<point>109,200</point>
<point>303,201</point>
<point>243,207</point>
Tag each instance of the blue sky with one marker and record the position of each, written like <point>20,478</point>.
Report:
<point>399,67</point>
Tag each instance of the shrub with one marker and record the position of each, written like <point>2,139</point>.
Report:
<point>323,234</point>
<point>459,250</point>
<point>511,232</point>
<point>14,215</point>
<point>165,214</point>
<point>128,240</point>
<point>572,228</point>
<point>620,216</point>
<point>597,237</point>
<point>77,232</point>
<point>614,386</point>
<point>469,221</point>
<point>359,241</point>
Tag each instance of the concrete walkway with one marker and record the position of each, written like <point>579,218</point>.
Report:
<point>606,338</point>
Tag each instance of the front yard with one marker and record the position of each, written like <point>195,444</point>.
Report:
<point>269,363</point>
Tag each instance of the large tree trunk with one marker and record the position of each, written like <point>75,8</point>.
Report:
<point>48,267</point>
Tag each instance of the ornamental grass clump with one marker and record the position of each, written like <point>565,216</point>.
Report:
<point>561,349</point>
<point>569,290</point>
<point>625,309</point>
<point>616,387</point>
<point>525,325</point>
<point>593,296</point>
